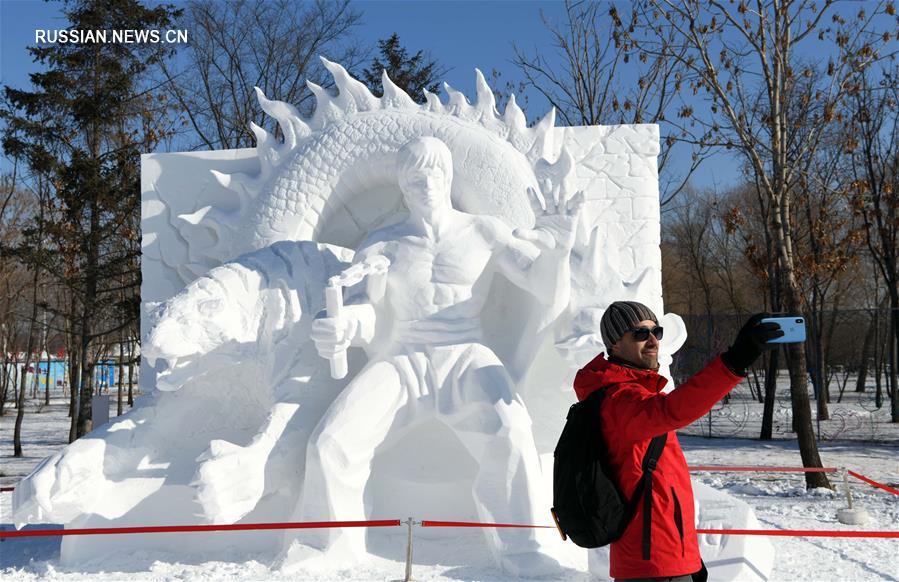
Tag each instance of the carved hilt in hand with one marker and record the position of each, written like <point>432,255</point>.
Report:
<point>374,267</point>
<point>333,306</point>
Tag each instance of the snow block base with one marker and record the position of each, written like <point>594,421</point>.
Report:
<point>853,516</point>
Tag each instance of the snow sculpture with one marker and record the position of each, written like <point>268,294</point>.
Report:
<point>474,278</point>
<point>433,363</point>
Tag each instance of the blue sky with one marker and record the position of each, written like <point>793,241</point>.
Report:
<point>461,35</point>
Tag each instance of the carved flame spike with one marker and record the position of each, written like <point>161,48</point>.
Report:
<point>486,104</point>
<point>223,179</point>
<point>288,118</point>
<point>243,184</point>
<point>195,218</point>
<point>457,104</point>
<point>433,102</point>
<point>324,104</point>
<point>393,95</point>
<point>268,148</point>
<point>263,138</point>
<point>548,121</point>
<point>543,136</point>
<point>514,116</point>
<point>353,96</point>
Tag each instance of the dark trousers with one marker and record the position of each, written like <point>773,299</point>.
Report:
<point>701,576</point>
<point>684,578</point>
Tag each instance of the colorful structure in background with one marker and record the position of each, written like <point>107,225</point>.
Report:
<point>56,371</point>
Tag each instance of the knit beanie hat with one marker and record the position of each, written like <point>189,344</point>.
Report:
<point>620,317</point>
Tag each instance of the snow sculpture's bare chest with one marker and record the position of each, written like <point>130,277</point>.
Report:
<point>429,277</point>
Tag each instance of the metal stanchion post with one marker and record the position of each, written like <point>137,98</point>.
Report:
<point>851,515</point>
<point>409,522</point>
<point>846,485</point>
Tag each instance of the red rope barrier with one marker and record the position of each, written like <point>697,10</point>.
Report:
<point>193,528</point>
<point>802,533</point>
<point>745,532</point>
<point>476,524</point>
<point>874,483</point>
<point>729,469</point>
<point>396,522</point>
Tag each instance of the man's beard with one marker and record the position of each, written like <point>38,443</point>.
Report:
<point>650,362</point>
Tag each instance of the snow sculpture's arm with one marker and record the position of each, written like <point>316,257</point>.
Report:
<point>221,307</point>
<point>355,324</point>
<point>243,305</point>
<point>537,260</point>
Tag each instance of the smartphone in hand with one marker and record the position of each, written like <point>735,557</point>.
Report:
<point>793,327</point>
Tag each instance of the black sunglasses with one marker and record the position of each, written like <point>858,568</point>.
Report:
<point>641,334</point>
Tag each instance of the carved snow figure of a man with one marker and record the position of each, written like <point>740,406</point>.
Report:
<point>434,362</point>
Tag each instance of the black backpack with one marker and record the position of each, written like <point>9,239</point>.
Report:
<point>587,505</point>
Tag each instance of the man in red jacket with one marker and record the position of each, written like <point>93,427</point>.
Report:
<point>634,410</point>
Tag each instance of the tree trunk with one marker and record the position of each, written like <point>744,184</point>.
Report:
<point>74,391</point>
<point>47,380</point>
<point>4,388</point>
<point>829,371</point>
<point>85,421</point>
<point>130,373</point>
<point>15,381</point>
<point>893,343</point>
<point>29,348</point>
<point>121,369</point>
<point>802,414</point>
<point>72,368</point>
<point>34,375</point>
<point>20,412</point>
<point>770,395</point>
<point>866,355</point>
<point>815,345</point>
<point>755,387</point>
<point>85,397</point>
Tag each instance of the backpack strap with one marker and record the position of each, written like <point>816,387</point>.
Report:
<point>644,486</point>
<point>650,459</point>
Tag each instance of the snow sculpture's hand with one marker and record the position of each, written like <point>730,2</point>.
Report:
<point>231,479</point>
<point>556,223</point>
<point>333,335</point>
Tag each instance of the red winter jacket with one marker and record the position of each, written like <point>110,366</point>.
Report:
<point>634,411</point>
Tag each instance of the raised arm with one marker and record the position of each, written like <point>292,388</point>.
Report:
<point>247,302</point>
<point>639,415</point>
<point>537,260</point>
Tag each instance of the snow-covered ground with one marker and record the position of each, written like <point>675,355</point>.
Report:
<point>780,502</point>
<point>855,418</point>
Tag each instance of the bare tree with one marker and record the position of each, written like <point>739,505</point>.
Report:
<point>742,62</point>
<point>827,241</point>
<point>34,244</point>
<point>17,206</point>
<point>746,216</point>
<point>82,126</point>
<point>874,168</point>
<point>241,44</point>
<point>581,78</point>
<point>691,230</point>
